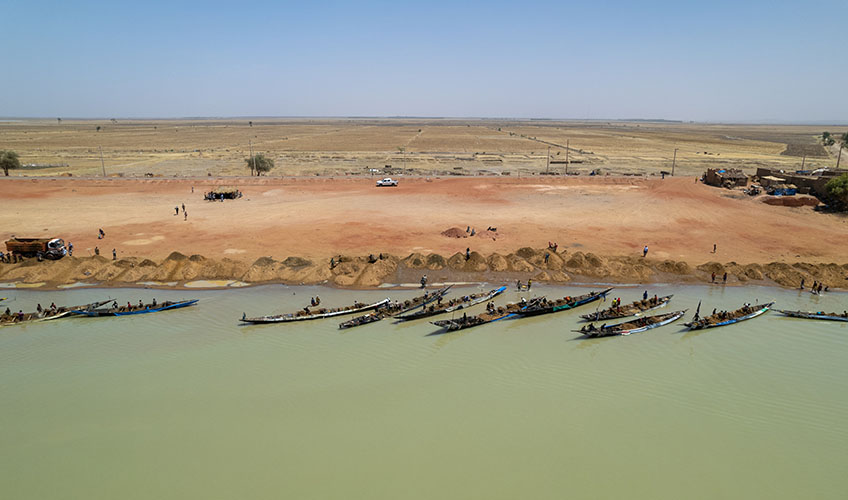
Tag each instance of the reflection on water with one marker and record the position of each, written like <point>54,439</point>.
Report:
<point>189,404</point>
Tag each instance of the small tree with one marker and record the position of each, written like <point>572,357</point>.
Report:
<point>59,120</point>
<point>250,123</point>
<point>837,188</point>
<point>827,139</point>
<point>98,128</point>
<point>259,164</point>
<point>845,138</point>
<point>8,160</point>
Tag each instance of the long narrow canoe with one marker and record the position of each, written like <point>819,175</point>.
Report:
<point>394,308</point>
<point>453,305</point>
<point>635,309</point>
<point>744,313</point>
<point>306,315</point>
<point>815,315</point>
<point>633,326</point>
<point>145,309</point>
<point>564,304</point>
<point>499,313</point>
<point>47,314</point>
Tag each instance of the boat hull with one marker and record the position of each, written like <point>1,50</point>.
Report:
<point>110,313</point>
<point>291,318</point>
<point>763,309</point>
<point>811,315</point>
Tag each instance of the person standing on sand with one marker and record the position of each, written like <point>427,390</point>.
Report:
<point>176,210</point>
<point>185,215</point>
<point>714,248</point>
<point>712,278</point>
<point>724,278</point>
<point>802,284</point>
<point>70,249</point>
<point>183,207</point>
<point>96,251</point>
<point>645,251</point>
<point>467,253</point>
<point>114,254</point>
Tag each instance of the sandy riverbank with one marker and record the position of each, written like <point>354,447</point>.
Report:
<point>286,230</point>
<point>540,265</point>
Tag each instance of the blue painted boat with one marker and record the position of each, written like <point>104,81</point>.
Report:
<point>564,304</point>
<point>815,315</point>
<point>745,312</point>
<point>508,311</point>
<point>145,309</point>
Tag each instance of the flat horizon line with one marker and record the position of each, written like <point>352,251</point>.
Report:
<point>445,118</point>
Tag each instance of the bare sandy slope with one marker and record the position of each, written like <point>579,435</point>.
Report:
<point>320,217</point>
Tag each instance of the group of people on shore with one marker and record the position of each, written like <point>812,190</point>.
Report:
<point>713,278</point>
<point>817,287</point>
<point>177,211</point>
<point>10,257</point>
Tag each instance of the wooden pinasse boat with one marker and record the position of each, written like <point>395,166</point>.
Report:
<point>47,314</point>
<point>725,318</point>
<point>495,314</point>
<point>544,306</point>
<point>815,315</point>
<point>633,326</point>
<point>394,308</point>
<point>634,309</point>
<point>452,305</point>
<point>306,314</point>
<point>128,310</point>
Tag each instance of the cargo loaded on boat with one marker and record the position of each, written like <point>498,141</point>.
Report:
<point>306,314</point>
<point>633,309</point>
<point>452,305</point>
<point>129,309</point>
<point>633,326</point>
<point>724,318</point>
<point>394,308</point>
<point>544,306</point>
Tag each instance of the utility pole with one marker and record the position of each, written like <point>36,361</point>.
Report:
<point>673,161</point>
<point>548,164</point>
<point>803,161</point>
<point>102,164</point>
<point>566,157</point>
<point>839,157</point>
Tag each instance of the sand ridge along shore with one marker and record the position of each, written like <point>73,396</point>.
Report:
<point>288,229</point>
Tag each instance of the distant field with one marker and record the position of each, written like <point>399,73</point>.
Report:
<point>426,146</point>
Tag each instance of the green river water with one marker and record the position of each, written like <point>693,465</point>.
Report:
<point>188,404</point>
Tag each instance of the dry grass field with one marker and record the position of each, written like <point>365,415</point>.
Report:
<point>166,148</point>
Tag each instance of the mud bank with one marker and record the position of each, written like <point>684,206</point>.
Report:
<point>356,271</point>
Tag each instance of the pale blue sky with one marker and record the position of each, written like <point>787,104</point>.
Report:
<point>703,61</point>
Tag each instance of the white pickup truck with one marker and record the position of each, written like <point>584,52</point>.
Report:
<point>388,181</point>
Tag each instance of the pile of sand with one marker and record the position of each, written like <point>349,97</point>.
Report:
<point>359,271</point>
<point>791,201</point>
<point>455,232</point>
